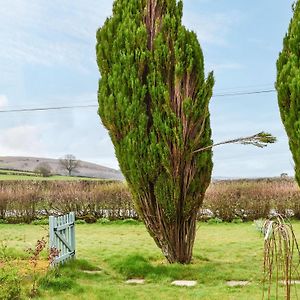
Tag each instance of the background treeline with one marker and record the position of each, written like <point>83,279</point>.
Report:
<point>25,201</point>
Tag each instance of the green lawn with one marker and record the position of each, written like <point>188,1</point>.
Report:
<point>222,252</point>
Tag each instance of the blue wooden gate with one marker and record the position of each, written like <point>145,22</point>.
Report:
<point>62,237</point>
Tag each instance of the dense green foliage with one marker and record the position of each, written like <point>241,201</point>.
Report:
<point>153,99</point>
<point>288,86</point>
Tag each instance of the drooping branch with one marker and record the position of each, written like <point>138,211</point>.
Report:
<point>281,256</point>
<point>260,140</point>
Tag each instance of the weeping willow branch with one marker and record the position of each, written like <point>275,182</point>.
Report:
<point>260,140</point>
<point>281,255</point>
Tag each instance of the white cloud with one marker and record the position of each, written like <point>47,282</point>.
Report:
<point>3,101</point>
<point>224,66</point>
<point>63,32</point>
<point>21,140</point>
<point>50,32</point>
<point>211,28</point>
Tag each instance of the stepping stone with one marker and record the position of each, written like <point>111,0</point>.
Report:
<point>184,282</point>
<point>135,281</point>
<point>292,282</point>
<point>92,272</point>
<point>234,283</point>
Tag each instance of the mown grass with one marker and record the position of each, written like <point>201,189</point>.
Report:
<point>122,251</point>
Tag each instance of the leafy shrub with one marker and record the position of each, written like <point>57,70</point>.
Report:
<point>10,284</point>
<point>214,221</point>
<point>40,222</point>
<point>43,169</point>
<point>79,221</point>
<point>103,221</point>
<point>131,222</point>
<point>237,221</point>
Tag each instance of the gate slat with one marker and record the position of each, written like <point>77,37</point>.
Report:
<point>62,233</point>
<point>72,215</point>
<point>68,229</point>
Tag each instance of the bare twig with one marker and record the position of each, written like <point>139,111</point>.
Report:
<point>35,255</point>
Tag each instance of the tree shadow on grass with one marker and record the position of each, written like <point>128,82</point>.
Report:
<point>139,266</point>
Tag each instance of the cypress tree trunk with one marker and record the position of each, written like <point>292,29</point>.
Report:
<point>288,86</point>
<point>153,99</point>
<point>176,239</point>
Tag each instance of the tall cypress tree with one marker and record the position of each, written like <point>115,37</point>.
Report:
<point>288,86</point>
<point>153,99</point>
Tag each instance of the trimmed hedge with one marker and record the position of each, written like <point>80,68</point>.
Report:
<point>253,199</point>
<point>25,201</point>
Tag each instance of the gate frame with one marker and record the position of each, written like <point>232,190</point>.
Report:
<point>62,237</point>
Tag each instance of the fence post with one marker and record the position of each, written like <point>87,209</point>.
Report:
<point>51,232</point>
<point>72,219</point>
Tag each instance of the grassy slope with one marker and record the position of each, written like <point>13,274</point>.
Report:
<point>222,252</point>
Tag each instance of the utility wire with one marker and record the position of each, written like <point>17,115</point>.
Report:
<point>245,93</point>
<point>48,108</point>
<point>96,105</point>
<point>50,104</point>
<point>247,87</point>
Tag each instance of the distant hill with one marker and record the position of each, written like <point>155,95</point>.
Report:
<point>86,169</point>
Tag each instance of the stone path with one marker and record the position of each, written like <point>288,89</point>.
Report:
<point>234,283</point>
<point>92,272</point>
<point>184,282</point>
<point>191,283</point>
<point>135,281</point>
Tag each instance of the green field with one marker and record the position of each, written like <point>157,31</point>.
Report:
<point>22,175</point>
<point>222,252</point>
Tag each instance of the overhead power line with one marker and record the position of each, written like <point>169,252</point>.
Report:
<point>33,109</point>
<point>48,108</point>
<point>246,88</point>
<point>245,93</point>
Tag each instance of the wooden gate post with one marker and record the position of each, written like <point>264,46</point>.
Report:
<point>52,225</point>
<point>72,220</point>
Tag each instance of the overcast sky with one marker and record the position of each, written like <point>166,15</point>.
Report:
<point>47,58</point>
